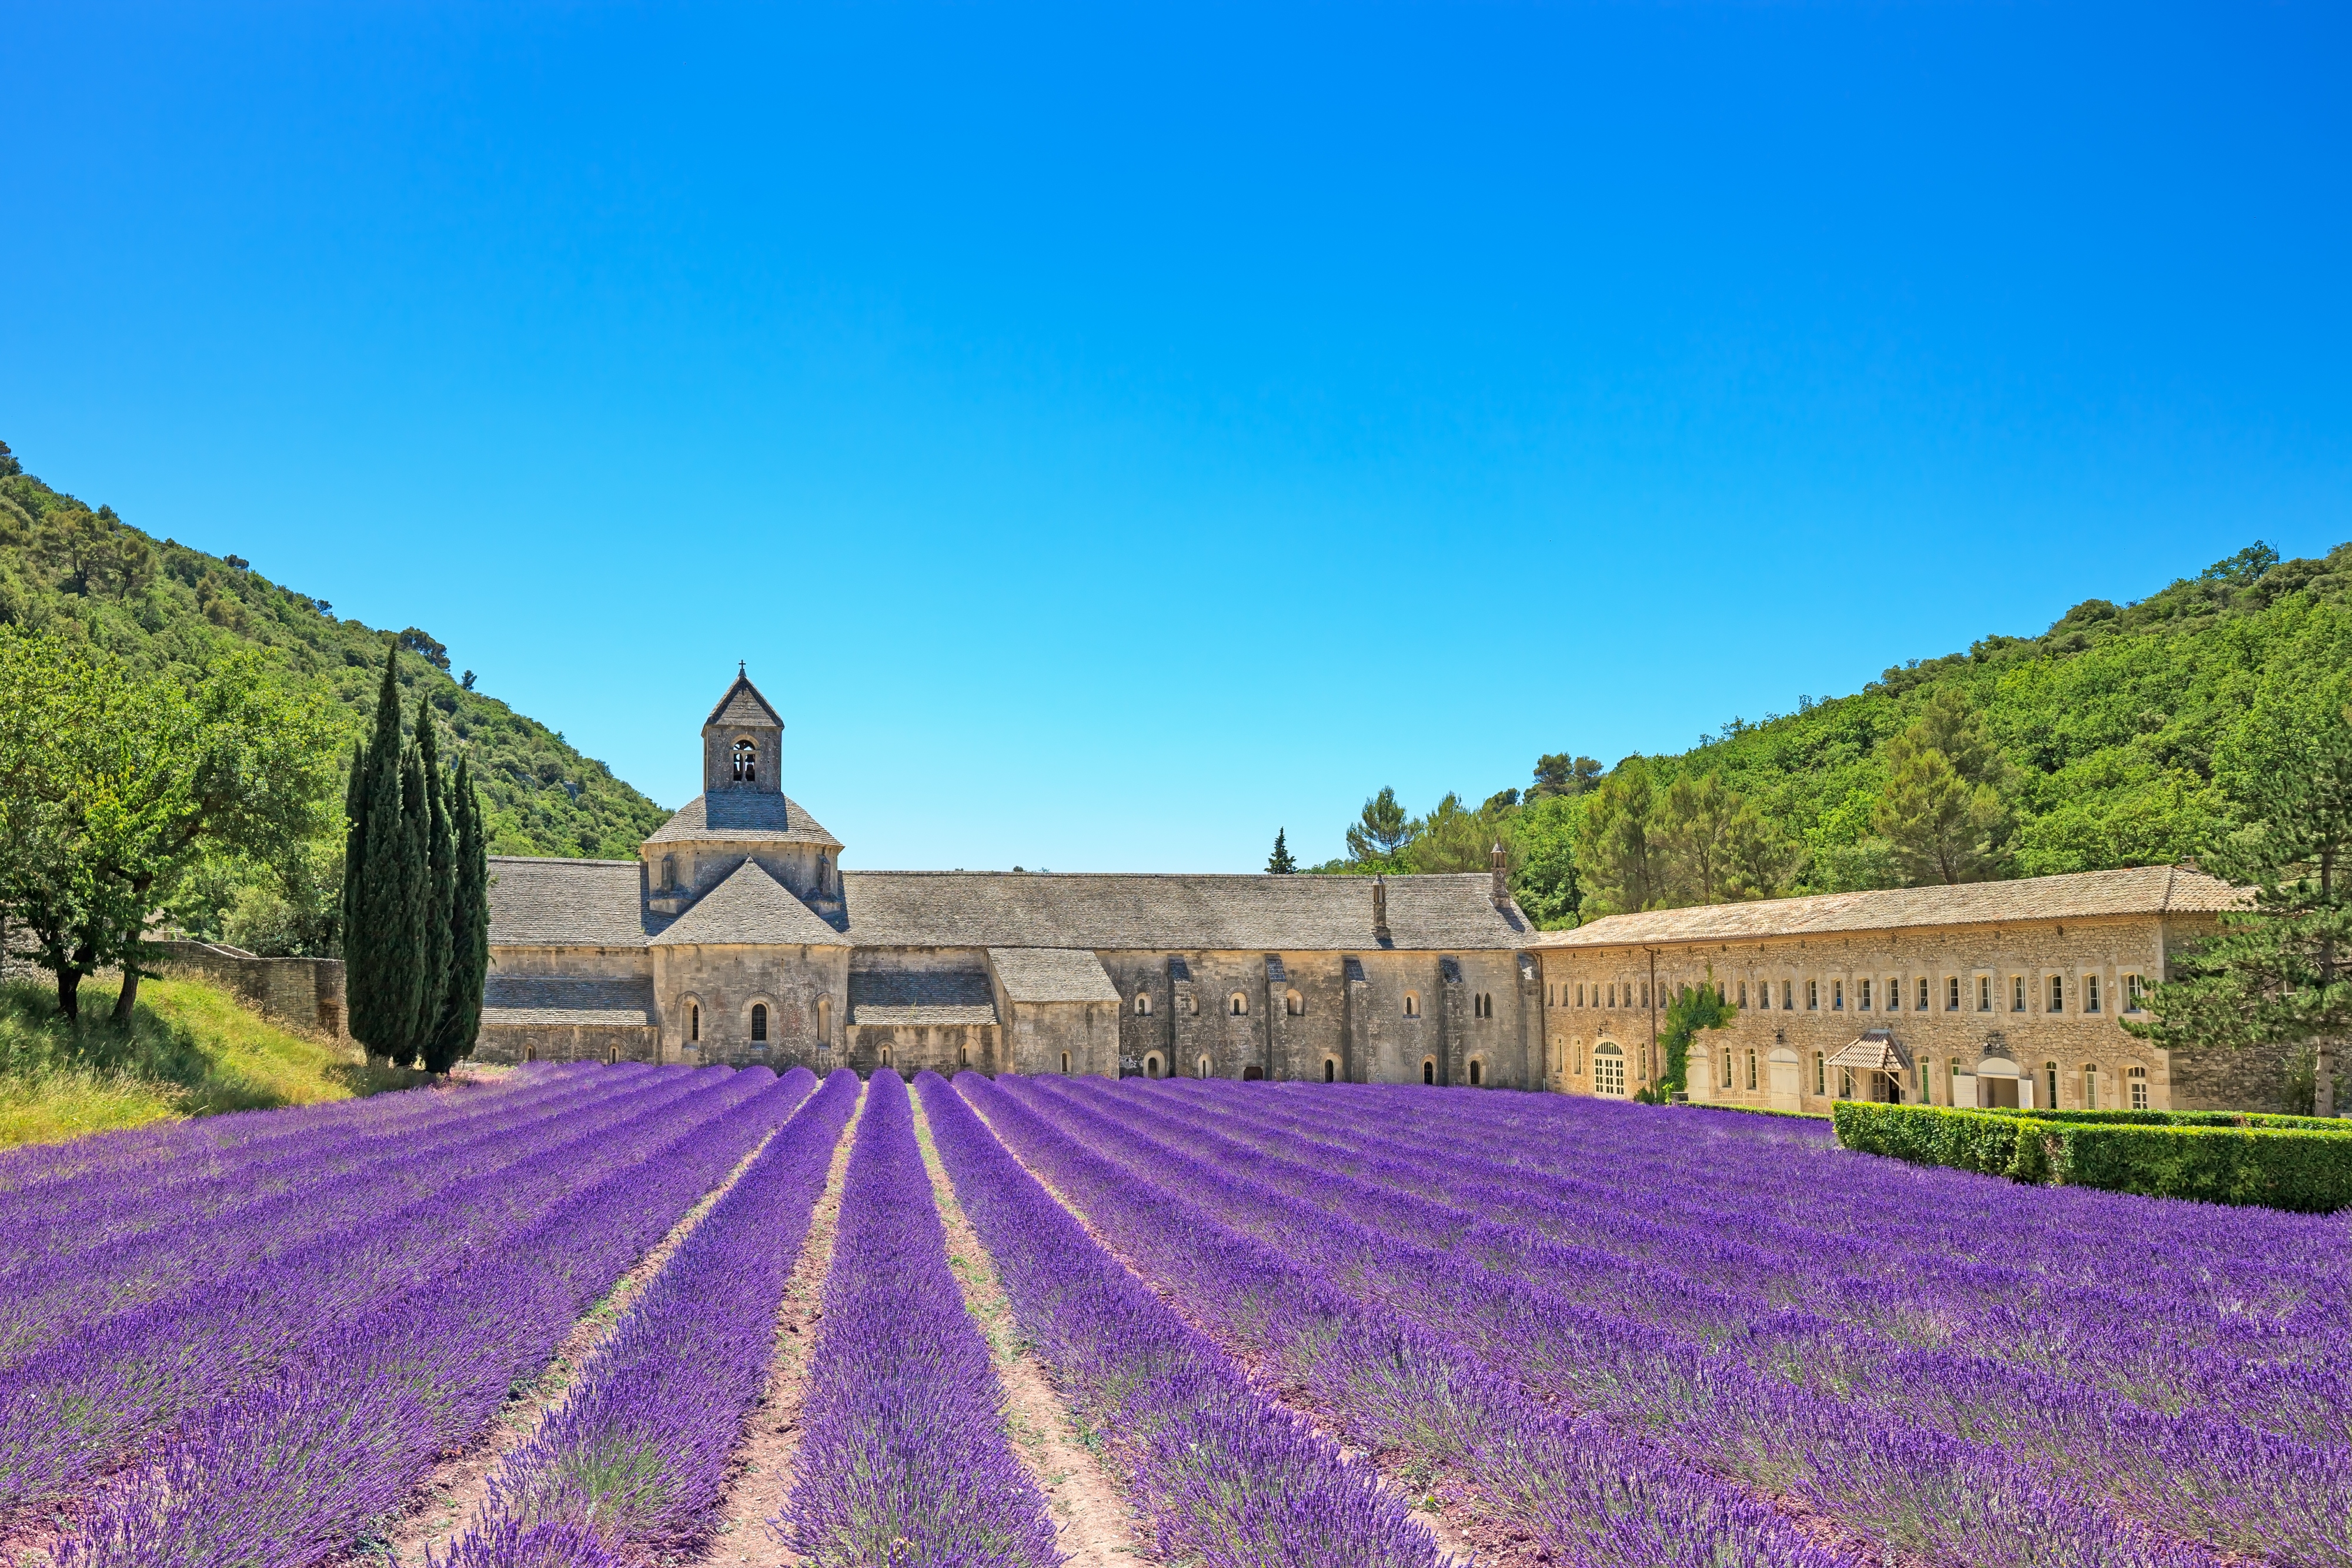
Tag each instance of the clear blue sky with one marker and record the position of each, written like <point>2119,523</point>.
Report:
<point>1112,433</point>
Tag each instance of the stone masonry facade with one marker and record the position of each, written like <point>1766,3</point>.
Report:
<point>737,936</point>
<point>1990,994</point>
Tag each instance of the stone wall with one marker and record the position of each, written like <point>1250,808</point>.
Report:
<point>1371,1017</point>
<point>510,1043</point>
<point>304,994</point>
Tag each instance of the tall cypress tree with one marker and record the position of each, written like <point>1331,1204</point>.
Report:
<point>411,875</point>
<point>380,937</point>
<point>354,841</point>
<point>470,932</point>
<point>440,884</point>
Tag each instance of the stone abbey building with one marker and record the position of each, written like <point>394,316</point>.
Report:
<point>738,935</point>
<point>1997,993</point>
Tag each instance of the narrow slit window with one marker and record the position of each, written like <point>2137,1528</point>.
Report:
<point>759,1021</point>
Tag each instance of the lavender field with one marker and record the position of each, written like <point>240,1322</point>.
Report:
<point>627,1315</point>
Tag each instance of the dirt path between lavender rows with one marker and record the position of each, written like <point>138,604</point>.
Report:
<point>762,1471</point>
<point>1093,1524</point>
<point>1453,1535</point>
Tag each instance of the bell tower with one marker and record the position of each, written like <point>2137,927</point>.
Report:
<point>742,743</point>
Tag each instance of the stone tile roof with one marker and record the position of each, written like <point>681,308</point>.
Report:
<point>750,908</point>
<point>1052,975</point>
<point>1191,912</point>
<point>742,817</point>
<point>566,998</point>
<point>2137,890</point>
<point>744,705</point>
<point>1875,1049</point>
<point>545,902</point>
<point>921,997</point>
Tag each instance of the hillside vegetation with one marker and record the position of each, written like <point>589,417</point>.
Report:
<point>85,575</point>
<point>2120,736</point>
<point>189,1050</point>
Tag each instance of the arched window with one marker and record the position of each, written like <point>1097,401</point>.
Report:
<point>746,761</point>
<point>1202,1067</point>
<point>2050,1073</point>
<point>1751,1069</point>
<point>759,1021</point>
<point>1151,1065</point>
<point>1609,1071</point>
<point>1295,1004</point>
<point>2135,1086</point>
<point>1429,1070</point>
<point>823,1022</point>
<point>1478,1073</point>
<point>1066,1063</point>
<point>1330,1070</point>
<point>1237,1004</point>
<point>694,1021</point>
<point>1413,1004</point>
<point>1143,1004</point>
<point>963,1056</point>
<point>2090,1088</point>
<point>885,1056</point>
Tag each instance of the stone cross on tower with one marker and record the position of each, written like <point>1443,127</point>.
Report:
<point>742,743</point>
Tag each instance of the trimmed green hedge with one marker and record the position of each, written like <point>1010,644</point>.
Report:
<point>2305,1166</point>
<point>2187,1119</point>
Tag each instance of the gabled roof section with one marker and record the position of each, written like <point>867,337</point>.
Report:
<point>751,908</point>
<point>566,1000</point>
<point>1052,975</point>
<point>1196,914</point>
<point>921,997</point>
<point>2079,895</point>
<point>550,903</point>
<point>742,817</point>
<point>743,705</point>
<point>1876,1050</point>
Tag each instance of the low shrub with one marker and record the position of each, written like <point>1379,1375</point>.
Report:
<point>2304,1164</point>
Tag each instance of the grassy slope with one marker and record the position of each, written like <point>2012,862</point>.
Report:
<point>543,796</point>
<point>2124,721</point>
<point>191,1051</point>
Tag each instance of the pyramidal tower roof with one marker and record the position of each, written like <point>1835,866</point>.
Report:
<point>743,705</point>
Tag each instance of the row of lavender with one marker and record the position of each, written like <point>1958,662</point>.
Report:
<point>1224,1477</point>
<point>102,1378</point>
<point>632,1467</point>
<point>1433,1408</point>
<point>904,1458</point>
<point>2256,1460</point>
<point>165,1237</point>
<point>104,1202</point>
<point>2170,1303</point>
<point>263,1411</point>
<point>288,1472</point>
<point>1941,1452</point>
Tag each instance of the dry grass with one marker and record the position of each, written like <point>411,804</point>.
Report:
<point>190,1050</point>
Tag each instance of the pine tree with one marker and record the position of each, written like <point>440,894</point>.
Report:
<point>470,933</point>
<point>2279,972</point>
<point>440,884</point>
<point>1280,862</point>
<point>379,932</point>
<point>1944,811</point>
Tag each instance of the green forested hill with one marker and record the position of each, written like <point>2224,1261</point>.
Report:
<point>87,575</point>
<point>2118,735</point>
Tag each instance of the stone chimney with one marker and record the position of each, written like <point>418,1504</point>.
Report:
<point>1499,871</point>
<point>1381,909</point>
